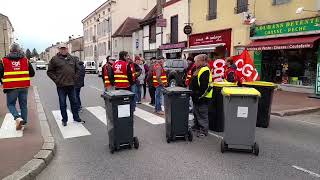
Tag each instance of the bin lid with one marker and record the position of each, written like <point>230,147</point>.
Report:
<point>224,84</point>
<point>240,91</point>
<point>260,83</point>
<point>176,90</point>
<point>117,94</point>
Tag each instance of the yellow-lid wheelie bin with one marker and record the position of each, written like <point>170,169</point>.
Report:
<point>240,116</point>
<point>215,114</point>
<point>264,110</point>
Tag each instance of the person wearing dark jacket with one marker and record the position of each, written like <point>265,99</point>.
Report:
<point>16,66</point>
<point>64,71</point>
<point>152,89</point>
<point>109,76</point>
<point>80,84</point>
<point>201,94</point>
<point>231,71</point>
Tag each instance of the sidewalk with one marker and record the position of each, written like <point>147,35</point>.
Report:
<point>290,103</point>
<point>15,152</point>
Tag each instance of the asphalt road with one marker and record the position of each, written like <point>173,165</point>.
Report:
<point>289,148</point>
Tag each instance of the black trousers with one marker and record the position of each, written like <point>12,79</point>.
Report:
<point>152,91</point>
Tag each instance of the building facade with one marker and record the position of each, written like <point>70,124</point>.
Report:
<point>100,25</point>
<point>6,35</point>
<point>226,28</point>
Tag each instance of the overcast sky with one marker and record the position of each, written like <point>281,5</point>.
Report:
<point>40,23</point>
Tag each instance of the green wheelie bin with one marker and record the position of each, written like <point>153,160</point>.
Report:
<point>264,110</point>
<point>216,117</point>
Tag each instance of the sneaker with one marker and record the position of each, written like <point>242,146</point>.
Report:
<point>19,123</point>
<point>139,102</point>
<point>202,133</point>
<point>64,123</point>
<point>160,113</point>
<point>80,121</point>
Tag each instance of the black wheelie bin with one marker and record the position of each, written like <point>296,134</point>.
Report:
<point>264,110</point>
<point>119,112</point>
<point>176,105</point>
<point>216,117</point>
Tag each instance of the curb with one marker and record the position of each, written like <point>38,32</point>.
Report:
<point>295,111</point>
<point>31,169</point>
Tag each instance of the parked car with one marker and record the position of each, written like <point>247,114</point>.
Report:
<point>175,71</point>
<point>90,67</point>
<point>41,65</point>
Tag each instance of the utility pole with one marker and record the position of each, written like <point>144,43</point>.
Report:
<point>4,38</point>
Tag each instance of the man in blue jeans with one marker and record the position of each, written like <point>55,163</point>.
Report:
<point>15,72</point>
<point>159,82</point>
<point>64,69</point>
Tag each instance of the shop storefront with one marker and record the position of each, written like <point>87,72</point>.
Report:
<point>173,51</point>
<point>215,44</point>
<point>287,53</point>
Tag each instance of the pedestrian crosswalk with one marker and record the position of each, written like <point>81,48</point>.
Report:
<point>8,128</point>
<point>74,129</point>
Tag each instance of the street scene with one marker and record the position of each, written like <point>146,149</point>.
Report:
<point>161,89</point>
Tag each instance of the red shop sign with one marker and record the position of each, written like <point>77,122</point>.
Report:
<point>214,37</point>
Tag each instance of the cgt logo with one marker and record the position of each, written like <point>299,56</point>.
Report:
<point>15,64</point>
<point>118,68</point>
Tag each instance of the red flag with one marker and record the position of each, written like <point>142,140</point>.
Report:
<point>245,67</point>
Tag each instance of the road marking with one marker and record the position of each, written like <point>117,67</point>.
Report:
<point>306,171</point>
<point>299,121</point>
<point>216,135</point>
<point>96,88</point>
<point>73,129</point>
<point>147,104</point>
<point>149,117</point>
<point>99,112</point>
<point>8,128</point>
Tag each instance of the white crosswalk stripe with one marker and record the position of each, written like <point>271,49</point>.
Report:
<point>73,129</point>
<point>8,128</point>
<point>149,117</point>
<point>99,112</point>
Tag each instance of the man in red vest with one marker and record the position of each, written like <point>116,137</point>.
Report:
<point>107,74</point>
<point>122,72</point>
<point>15,72</point>
<point>159,81</point>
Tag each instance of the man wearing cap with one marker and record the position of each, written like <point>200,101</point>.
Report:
<point>64,71</point>
<point>15,72</point>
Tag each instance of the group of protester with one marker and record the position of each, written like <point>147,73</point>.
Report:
<point>68,73</point>
<point>135,75</point>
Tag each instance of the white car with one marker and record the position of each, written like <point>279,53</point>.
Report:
<point>41,65</point>
<point>90,67</point>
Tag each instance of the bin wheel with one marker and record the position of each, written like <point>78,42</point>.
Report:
<point>190,135</point>
<point>136,142</point>
<point>111,148</point>
<point>168,139</point>
<point>255,149</point>
<point>130,145</point>
<point>224,146</point>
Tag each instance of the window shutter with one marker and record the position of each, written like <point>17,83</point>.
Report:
<point>212,9</point>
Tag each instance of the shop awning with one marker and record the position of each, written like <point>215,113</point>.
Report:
<point>283,43</point>
<point>203,49</point>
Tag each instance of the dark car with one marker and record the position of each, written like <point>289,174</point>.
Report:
<point>175,71</point>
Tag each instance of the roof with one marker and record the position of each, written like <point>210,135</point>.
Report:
<point>151,16</point>
<point>127,27</point>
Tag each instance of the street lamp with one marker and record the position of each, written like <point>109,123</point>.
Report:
<point>301,9</point>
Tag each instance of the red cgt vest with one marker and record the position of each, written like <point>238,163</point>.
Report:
<point>189,75</point>
<point>163,75</point>
<point>121,74</point>
<point>107,82</point>
<point>16,74</point>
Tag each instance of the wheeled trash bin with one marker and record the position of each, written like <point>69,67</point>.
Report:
<point>119,111</point>
<point>264,109</point>
<point>216,117</point>
<point>176,105</point>
<point>240,116</point>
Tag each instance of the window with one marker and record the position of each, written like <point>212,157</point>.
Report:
<point>115,43</point>
<point>174,30</point>
<point>242,6</point>
<point>212,10</point>
<point>109,45</point>
<point>152,33</point>
<point>104,13</point>
<point>277,2</point>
